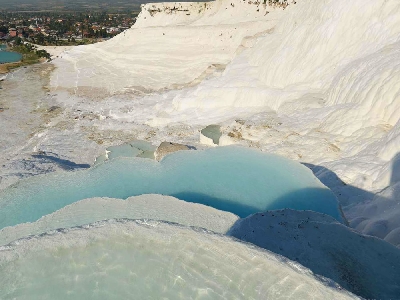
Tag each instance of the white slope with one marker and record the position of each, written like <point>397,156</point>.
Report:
<point>172,44</point>
<point>152,207</point>
<point>327,78</point>
<point>364,265</point>
<point>330,72</point>
<point>316,82</point>
<point>121,259</point>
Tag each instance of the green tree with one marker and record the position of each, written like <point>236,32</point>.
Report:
<point>18,41</point>
<point>40,39</point>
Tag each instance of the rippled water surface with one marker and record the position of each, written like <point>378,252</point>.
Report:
<point>122,259</point>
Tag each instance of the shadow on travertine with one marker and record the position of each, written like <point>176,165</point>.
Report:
<point>300,200</point>
<point>395,177</point>
<point>62,163</point>
<point>364,265</point>
<point>236,208</point>
<point>372,214</point>
<point>294,200</point>
<point>346,194</point>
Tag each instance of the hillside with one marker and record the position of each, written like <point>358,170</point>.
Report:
<point>314,81</point>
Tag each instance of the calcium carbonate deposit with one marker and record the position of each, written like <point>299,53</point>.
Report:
<point>150,260</point>
<point>98,200</point>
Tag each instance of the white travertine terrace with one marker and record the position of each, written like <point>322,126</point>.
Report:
<point>152,207</point>
<point>316,81</point>
<point>152,260</point>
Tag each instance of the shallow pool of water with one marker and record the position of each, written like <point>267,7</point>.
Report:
<point>234,179</point>
<point>125,259</point>
<point>7,56</point>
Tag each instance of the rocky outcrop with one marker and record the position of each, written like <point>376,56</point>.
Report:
<point>167,148</point>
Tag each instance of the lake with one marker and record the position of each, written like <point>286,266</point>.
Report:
<point>8,57</point>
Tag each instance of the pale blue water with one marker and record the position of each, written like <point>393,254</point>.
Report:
<point>7,57</point>
<point>234,179</point>
<point>213,132</point>
<point>136,148</point>
<point>130,260</point>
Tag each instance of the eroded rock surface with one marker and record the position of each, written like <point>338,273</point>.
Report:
<point>167,148</point>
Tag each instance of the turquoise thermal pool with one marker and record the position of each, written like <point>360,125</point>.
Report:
<point>233,179</point>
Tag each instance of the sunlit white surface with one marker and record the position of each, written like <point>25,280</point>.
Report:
<point>153,207</point>
<point>150,260</point>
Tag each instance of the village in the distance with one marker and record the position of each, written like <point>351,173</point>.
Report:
<point>28,25</point>
<point>63,28</point>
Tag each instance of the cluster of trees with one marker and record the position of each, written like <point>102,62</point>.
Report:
<point>42,39</point>
<point>43,53</point>
<point>29,49</point>
<point>3,29</point>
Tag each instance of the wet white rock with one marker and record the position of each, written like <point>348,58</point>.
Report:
<point>150,259</point>
<point>152,207</point>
